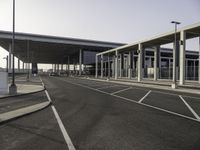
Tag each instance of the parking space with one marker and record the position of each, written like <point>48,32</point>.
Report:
<point>113,89</point>
<point>194,103</point>
<point>153,119</point>
<point>185,106</point>
<point>168,102</point>
<point>133,93</point>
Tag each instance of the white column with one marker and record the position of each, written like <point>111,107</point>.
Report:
<point>18,65</point>
<point>58,68</point>
<point>129,64</point>
<point>54,68</point>
<point>174,66</point>
<point>169,61</point>
<point>194,62</point>
<point>105,68</point>
<point>116,64</point>
<point>80,61</point>
<point>120,66</point>
<point>182,58</point>
<point>101,65</point>
<point>108,66</point>
<point>23,67</point>
<point>133,65</point>
<point>199,59</point>
<point>113,66</point>
<point>66,67</point>
<point>61,67</point>
<point>96,71</point>
<point>68,61</point>
<point>156,63</point>
<point>140,54</point>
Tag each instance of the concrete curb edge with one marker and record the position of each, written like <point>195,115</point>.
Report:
<point>12,115</point>
<point>143,85</point>
<point>22,94</point>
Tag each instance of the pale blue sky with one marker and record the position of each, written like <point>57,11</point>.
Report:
<point>107,20</point>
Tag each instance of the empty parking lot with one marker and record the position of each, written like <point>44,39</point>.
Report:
<point>109,116</point>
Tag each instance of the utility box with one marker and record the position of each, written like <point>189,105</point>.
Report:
<point>3,83</point>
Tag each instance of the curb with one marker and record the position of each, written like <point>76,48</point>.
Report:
<point>146,85</point>
<point>12,115</point>
<point>22,94</point>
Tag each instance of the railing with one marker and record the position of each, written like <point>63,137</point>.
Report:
<point>191,72</point>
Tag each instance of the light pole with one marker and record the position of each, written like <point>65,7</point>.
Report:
<point>13,87</point>
<point>174,55</point>
<point>6,63</point>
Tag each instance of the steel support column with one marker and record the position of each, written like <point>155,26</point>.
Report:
<point>10,58</point>
<point>23,66</point>
<point>121,67</point>
<point>156,62</point>
<point>129,64</point>
<point>61,67</point>
<point>80,61</point>
<point>54,68</point>
<point>140,62</point>
<point>182,58</point>
<point>174,66</point>
<point>101,65</point>
<point>96,67</point>
<point>116,64</point>
<point>18,64</point>
<point>108,66</point>
<point>199,60</point>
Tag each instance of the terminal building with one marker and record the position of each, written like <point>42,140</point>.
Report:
<point>141,60</point>
<point>146,59</point>
<point>165,65</point>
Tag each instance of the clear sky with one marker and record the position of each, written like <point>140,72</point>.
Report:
<point>107,20</point>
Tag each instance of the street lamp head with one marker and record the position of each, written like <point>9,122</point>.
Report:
<point>176,22</point>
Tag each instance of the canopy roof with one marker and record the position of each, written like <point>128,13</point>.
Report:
<point>192,31</point>
<point>50,49</point>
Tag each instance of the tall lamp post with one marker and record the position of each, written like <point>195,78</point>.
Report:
<point>174,85</point>
<point>13,87</point>
<point>6,63</point>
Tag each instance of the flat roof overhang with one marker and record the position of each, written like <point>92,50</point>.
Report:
<point>192,31</point>
<point>51,49</point>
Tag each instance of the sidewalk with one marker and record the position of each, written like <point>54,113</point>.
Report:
<point>30,97</point>
<point>25,87</point>
<point>189,87</point>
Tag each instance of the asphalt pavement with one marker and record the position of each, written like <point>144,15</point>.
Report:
<point>107,116</point>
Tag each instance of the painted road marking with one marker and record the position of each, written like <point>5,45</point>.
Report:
<point>134,101</point>
<point>140,101</point>
<point>62,128</point>
<point>41,81</point>
<point>48,97</point>
<point>106,87</point>
<point>121,90</point>
<point>190,108</point>
<point>64,132</point>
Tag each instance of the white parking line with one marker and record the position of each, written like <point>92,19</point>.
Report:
<point>190,108</point>
<point>41,81</point>
<point>106,87</point>
<point>62,128</point>
<point>64,132</point>
<point>121,90</point>
<point>140,101</point>
<point>134,101</point>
